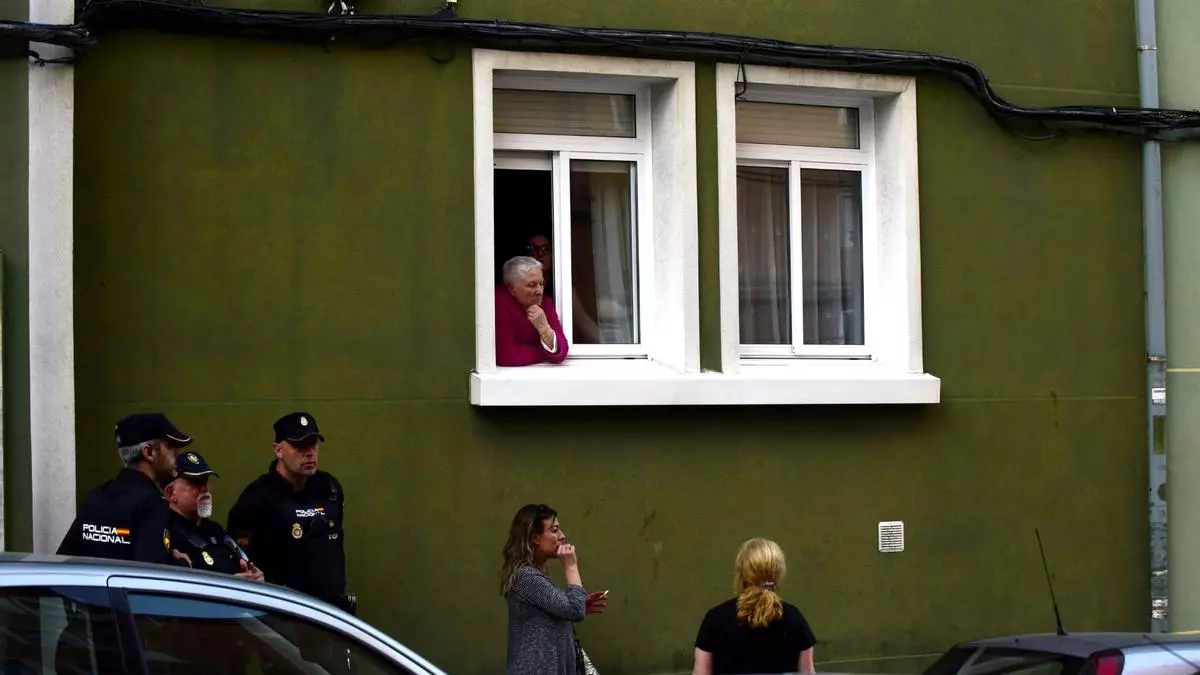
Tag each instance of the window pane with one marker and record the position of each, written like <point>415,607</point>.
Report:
<point>58,630</point>
<point>604,302</point>
<point>521,111</point>
<point>831,227</point>
<point>764,276</point>
<point>786,124</point>
<point>181,635</point>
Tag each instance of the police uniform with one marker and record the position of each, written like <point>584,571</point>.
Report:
<point>126,517</point>
<point>205,544</point>
<point>295,537</point>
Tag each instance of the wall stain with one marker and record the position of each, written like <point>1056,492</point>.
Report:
<point>648,521</point>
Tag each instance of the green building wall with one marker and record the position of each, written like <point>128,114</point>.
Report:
<point>14,249</point>
<point>266,227</point>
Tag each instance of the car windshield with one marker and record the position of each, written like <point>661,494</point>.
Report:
<point>1004,661</point>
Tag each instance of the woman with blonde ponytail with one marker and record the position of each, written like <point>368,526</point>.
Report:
<point>755,632</point>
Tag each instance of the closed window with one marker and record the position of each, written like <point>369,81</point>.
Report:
<point>800,230</point>
<point>819,236</point>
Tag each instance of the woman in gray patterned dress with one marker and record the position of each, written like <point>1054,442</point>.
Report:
<point>541,638</point>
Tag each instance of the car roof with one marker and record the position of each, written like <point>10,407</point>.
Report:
<point>96,571</point>
<point>1082,644</point>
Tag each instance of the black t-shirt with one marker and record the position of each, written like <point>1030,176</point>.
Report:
<point>738,648</point>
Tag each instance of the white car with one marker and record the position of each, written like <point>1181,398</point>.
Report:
<point>65,615</point>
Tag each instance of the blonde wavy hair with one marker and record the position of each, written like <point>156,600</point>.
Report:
<point>518,550</point>
<point>759,568</point>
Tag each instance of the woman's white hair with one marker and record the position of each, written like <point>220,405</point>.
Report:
<point>516,268</point>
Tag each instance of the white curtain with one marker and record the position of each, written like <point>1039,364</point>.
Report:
<point>606,190</point>
<point>830,242</point>
<point>831,217</point>
<point>764,273</point>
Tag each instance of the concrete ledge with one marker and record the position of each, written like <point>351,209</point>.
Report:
<point>645,383</point>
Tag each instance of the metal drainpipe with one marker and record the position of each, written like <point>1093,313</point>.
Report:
<point>1156,331</point>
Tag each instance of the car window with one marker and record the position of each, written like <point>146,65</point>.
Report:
<point>58,630</point>
<point>1005,661</point>
<point>182,635</point>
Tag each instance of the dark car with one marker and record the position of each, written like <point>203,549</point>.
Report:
<point>1073,654</point>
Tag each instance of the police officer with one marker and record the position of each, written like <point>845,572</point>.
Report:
<point>126,518</point>
<point>190,530</point>
<point>289,520</point>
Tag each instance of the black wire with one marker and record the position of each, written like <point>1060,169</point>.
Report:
<point>96,16</point>
<point>38,60</point>
<point>72,37</point>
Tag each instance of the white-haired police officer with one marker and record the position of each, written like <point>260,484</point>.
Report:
<point>289,520</point>
<point>191,530</point>
<point>126,517</point>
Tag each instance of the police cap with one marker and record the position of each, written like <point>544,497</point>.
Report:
<point>192,466</point>
<point>143,427</point>
<point>297,427</point>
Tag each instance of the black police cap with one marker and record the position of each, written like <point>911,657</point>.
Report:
<point>143,427</point>
<point>297,427</point>
<point>193,466</point>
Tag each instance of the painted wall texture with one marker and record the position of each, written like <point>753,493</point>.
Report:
<point>1179,56</point>
<point>265,227</point>
<point>14,247</point>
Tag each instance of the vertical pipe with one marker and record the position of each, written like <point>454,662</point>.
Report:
<point>1156,333</point>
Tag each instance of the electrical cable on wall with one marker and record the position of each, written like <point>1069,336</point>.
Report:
<point>100,16</point>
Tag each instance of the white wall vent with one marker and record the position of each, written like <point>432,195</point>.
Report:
<point>891,536</point>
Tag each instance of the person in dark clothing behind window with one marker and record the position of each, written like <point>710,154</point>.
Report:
<point>126,517</point>
<point>289,520</point>
<point>191,530</point>
<point>756,632</point>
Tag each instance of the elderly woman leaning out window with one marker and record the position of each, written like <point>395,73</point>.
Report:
<point>527,327</point>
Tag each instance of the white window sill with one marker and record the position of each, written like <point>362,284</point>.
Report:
<point>644,383</point>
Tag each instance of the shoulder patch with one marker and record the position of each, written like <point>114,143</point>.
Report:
<point>167,539</point>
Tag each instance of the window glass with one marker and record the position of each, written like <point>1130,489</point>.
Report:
<point>603,253</point>
<point>563,113</point>
<point>764,258</point>
<point>63,630</point>
<point>192,636</point>
<point>829,242</point>
<point>1020,662</point>
<point>831,232</point>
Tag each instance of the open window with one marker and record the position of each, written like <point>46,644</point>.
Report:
<point>569,169</point>
<point>588,165</point>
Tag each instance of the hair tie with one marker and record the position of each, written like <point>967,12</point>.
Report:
<point>769,585</point>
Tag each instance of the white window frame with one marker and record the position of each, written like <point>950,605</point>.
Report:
<point>513,153</point>
<point>890,367</point>
<point>665,154</point>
